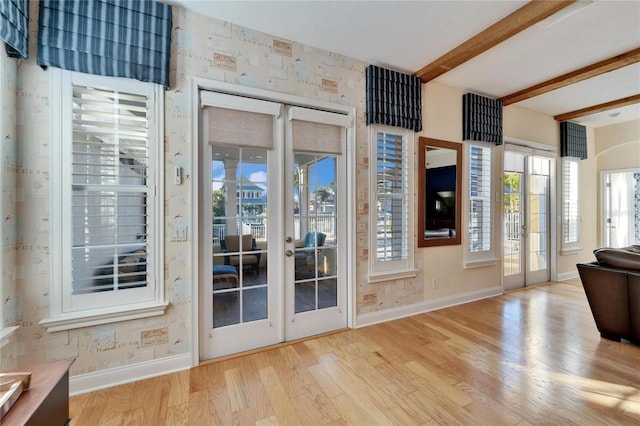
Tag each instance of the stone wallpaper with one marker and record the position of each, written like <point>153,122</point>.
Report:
<point>202,47</point>
<point>11,306</point>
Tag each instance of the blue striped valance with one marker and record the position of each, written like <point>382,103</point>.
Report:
<point>393,98</point>
<point>14,27</point>
<point>573,140</point>
<point>119,38</point>
<point>481,119</point>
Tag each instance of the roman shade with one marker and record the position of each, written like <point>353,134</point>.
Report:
<point>317,131</point>
<point>126,38</point>
<point>238,121</point>
<point>14,27</point>
<point>573,140</point>
<point>393,98</point>
<point>481,119</point>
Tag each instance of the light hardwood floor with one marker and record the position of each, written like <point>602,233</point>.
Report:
<point>529,357</point>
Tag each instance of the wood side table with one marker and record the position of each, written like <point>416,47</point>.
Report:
<point>46,402</point>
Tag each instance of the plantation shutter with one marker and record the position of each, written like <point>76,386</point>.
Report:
<point>570,199</point>
<point>480,199</point>
<point>110,190</point>
<point>392,183</point>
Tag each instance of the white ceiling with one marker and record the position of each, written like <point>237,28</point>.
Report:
<point>407,35</point>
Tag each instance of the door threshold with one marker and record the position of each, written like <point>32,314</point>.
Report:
<point>270,347</point>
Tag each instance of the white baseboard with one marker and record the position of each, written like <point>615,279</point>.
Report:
<point>567,275</point>
<point>129,373</point>
<point>371,318</point>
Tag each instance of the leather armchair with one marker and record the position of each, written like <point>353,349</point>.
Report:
<point>612,287</point>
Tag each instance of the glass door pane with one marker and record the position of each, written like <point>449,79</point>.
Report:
<point>538,221</point>
<point>315,219</point>
<point>512,233</point>
<point>239,244</point>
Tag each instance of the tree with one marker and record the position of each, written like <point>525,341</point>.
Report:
<point>218,207</point>
<point>512,192</point>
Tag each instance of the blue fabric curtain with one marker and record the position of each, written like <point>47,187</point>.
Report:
<point>481,119</point>
<point>14,27</point>
<point>119,38</point>
<point>573,140</point>
<point>393,98</point>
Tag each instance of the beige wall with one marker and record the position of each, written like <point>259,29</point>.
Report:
<point>442,119</point>
<point>617,148</point>
<point>527,125</point>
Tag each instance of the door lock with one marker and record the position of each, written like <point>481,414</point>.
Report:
<point>288,239</point>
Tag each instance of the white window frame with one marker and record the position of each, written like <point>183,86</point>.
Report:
<point>2,199</point>
<point>380,271</point>
<point>480,257</point>
<point>63,314</point>
<point>570,193</point>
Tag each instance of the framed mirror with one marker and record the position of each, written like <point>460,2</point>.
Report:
<point>439,194</point>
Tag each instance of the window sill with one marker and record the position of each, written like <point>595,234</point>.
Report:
<point>471,264</point>
<point>5,333</point>
<point>79,320</point>
<point>392,275</point>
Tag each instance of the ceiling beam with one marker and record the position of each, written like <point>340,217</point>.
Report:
<point>593,70</point>
<point>521,19</point>
<point>618,103</point>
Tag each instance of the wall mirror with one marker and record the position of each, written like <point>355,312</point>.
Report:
<point>439,183</point>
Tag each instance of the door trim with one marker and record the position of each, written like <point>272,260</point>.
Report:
<point>198,84</point>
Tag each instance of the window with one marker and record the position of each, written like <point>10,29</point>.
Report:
<point>480,229</point>
<point>570,202</point>
<point>106,204</point>
<point>391,219</point>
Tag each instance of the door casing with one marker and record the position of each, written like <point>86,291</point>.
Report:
<point>198,84</point>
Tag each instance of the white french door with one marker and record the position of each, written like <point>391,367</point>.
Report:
<point>526,232</point>
<point>621,208</point>
<point>271,258</point>
<point>315,274</point>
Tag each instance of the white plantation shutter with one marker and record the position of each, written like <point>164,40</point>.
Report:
<point>479,199</point>
<point>106,200</point>
<point>111,190</point>
<point>570,200</point>
<point>392,197</point>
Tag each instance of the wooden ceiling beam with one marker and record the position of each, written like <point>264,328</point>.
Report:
<point>593,70</point>
<point>618,103</point>
<point>521,19</point>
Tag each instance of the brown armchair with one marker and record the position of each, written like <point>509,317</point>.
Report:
<point>251,253</point>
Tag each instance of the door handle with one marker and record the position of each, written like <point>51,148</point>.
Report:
<point>288,253</point>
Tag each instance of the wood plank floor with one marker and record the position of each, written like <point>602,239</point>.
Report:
<point>529,357</point>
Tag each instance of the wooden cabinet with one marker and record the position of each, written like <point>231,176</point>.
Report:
<point>46,402</point>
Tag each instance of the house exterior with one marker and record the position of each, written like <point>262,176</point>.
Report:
<point>208,48</point>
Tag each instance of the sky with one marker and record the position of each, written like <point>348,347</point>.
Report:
<point>323,173</point>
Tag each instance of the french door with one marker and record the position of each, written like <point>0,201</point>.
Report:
<point>526,207</point>
<point>621,208</point>
<point>272,257</point>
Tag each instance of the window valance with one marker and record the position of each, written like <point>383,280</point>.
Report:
<point>14,27</point>
<point>118,38</point>
<point>481,118</point>
<point>393,98</point>
<point>573,140</point>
